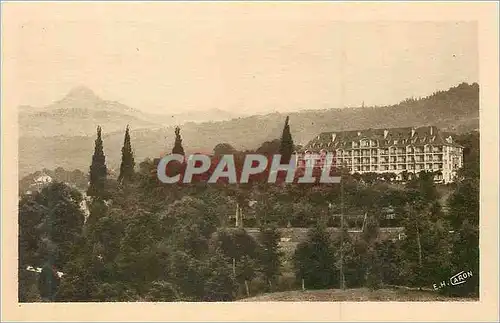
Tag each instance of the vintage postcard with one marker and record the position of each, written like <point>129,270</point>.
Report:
<point>254,161</point>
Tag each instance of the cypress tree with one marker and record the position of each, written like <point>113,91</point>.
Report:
<point>178,142</point>
<point>128,164</point>
<point>286,147</point>
<point>98,170</point>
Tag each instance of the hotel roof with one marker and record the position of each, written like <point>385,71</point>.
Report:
<point>386,137</point>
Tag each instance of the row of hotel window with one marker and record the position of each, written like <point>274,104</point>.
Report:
<point>355,144</point>
<point>382,160</point>
<point>391,151</point>
<point>365,165</point>
<point>408,150</point>
<point>373,143</point>
<point>395,167</point>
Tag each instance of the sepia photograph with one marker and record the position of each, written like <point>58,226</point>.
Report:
<point>173,152</point>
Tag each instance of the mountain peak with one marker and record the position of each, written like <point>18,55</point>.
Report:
<point>81,93</point>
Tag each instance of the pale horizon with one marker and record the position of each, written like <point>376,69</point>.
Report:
<point>170,59</point>
<point>264,112</point>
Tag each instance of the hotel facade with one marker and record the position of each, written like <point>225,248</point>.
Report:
<point>393,150</point>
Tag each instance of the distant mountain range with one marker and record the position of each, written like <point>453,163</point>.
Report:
<point>81,110</point>
<point>63,134</point>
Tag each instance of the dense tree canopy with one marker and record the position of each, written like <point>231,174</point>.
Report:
<point>151,241</point>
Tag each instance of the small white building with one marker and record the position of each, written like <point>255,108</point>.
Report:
<point>43,179</point>
<point>40,182</point>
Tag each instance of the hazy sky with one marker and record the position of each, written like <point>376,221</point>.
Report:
<point>178,57</point>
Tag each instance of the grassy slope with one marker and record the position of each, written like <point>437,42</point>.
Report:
<point>353,295</point>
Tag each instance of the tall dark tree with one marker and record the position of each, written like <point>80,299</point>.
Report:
<point>373,273</point>
<point>50,225</point>
<point>314,260</point>
<point>98,170</point>
<point>220,285</point>
<point>178,142</point>
<point>271,254</point>
<point>62,225</point>
<point>31,214</point>
<point>463,215</point>
<point>128,163</point>
<point>471,166</point>
<point>426,248</point>
<point>286,147</point>
<point>48,283</point>
<point>464,203</point>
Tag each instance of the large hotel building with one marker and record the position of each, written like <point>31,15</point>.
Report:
<point>394,150</point>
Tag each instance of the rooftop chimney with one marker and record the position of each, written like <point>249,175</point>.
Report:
<point>385,133</point>
<point>413,132</point>
<point>333,137</point>
<point>430,130</point>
